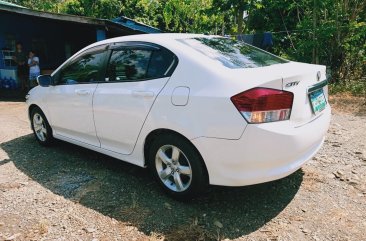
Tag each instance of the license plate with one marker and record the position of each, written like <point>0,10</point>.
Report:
<point>318,101</point>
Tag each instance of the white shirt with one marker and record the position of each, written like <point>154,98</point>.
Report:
<point>35,68</point>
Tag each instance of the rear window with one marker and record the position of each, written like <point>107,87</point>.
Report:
<point>231,53</point>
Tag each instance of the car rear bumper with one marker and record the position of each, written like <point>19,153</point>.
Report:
<point>265,152</point>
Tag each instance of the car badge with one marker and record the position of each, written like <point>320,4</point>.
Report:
<point>291,84</point>
<point>318,75</point>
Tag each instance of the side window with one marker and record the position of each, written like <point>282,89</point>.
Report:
<point>161,64</point>
<point>84,70</point>
<point>140,64</point>
<point>128,65</point>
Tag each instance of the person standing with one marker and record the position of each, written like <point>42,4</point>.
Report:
<point>20,59</point>
<point>34,70</point>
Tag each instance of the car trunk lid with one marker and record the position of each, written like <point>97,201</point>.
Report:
<point>308,84</point>
<point>297,78</point>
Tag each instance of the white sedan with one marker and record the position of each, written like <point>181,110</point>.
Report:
<point>194,109</point>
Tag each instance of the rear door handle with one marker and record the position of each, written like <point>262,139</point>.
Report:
<point>82,92</point>
<point>142,93</point>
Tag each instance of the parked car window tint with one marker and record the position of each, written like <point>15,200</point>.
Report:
<point>231,53</point>
<point>128,65</point>
<point>84,70</point>
<point>161,64</point>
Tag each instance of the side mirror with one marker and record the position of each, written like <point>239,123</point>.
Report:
<point>44,80</point>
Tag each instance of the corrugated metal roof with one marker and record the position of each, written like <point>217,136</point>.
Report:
<point>122,22</point>
<point>13,8</point>
<point>132,24</point>
<point>10,4</point>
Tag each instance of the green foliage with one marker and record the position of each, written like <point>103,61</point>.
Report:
<point>190,16</point>
<point>44,5</point>
<point>147,11</point>
<point>328,32</point>
<point>99,9</point>
<point>356,88</point>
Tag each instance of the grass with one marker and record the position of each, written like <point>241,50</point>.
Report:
<point>43,227</point>
<point>348,96</point>
<point>192,231</point>
<point>135,212</point>
<point>346,102</point>
<point>355,88</point>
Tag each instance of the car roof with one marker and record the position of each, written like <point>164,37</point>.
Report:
<point>154,37</point>
<point>167,40</point>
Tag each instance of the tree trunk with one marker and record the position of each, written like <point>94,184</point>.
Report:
<point>315,44</point>
<point>240,20</point>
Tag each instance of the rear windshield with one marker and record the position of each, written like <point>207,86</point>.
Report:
<point>231,53</point>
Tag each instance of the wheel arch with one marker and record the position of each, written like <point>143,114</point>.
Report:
<point>31,108</point>
<point>34,106</point>
<point>162,131</point>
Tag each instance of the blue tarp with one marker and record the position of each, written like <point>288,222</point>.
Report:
<point>129,23</point>
<point>260,40</point>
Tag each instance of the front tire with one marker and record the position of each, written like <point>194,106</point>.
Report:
<point>177,166</point>
<point>41,129</point>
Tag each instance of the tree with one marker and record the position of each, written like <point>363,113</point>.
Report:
<point>330,32</point>
<point>235,6</point>
<point>44,5</point>
<point>190,16</point>
<point>147,11</point>
<point>100,9</point>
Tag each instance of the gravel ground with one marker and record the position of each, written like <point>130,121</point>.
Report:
<point>66,192</point>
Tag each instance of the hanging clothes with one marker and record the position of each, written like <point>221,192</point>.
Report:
<point>260,40</point>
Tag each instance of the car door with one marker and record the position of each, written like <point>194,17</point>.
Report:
<point>70,99</point>
<point>135,75</point>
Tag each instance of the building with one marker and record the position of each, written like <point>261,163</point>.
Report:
<point>55,37</point>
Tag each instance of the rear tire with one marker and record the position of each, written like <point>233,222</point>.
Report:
<point>41,129</point>
<point>177,166</point>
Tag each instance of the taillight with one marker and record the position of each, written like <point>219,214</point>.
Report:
<point>261,105</point>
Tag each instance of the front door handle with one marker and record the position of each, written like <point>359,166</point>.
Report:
<point>143,94</point>
<point>82,92</point>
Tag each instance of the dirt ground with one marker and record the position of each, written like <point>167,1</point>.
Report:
<point>66,192</point>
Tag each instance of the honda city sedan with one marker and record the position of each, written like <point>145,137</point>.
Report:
<point>193,109</point>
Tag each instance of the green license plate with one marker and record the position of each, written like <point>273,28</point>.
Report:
<point>318,101</point>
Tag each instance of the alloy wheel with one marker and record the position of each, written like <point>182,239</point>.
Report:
<point>173,168</point>
<point>39,127</point>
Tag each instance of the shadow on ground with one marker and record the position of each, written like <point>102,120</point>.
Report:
<point>128,194</point>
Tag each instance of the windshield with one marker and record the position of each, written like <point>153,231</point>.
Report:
<point>231,53</point>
